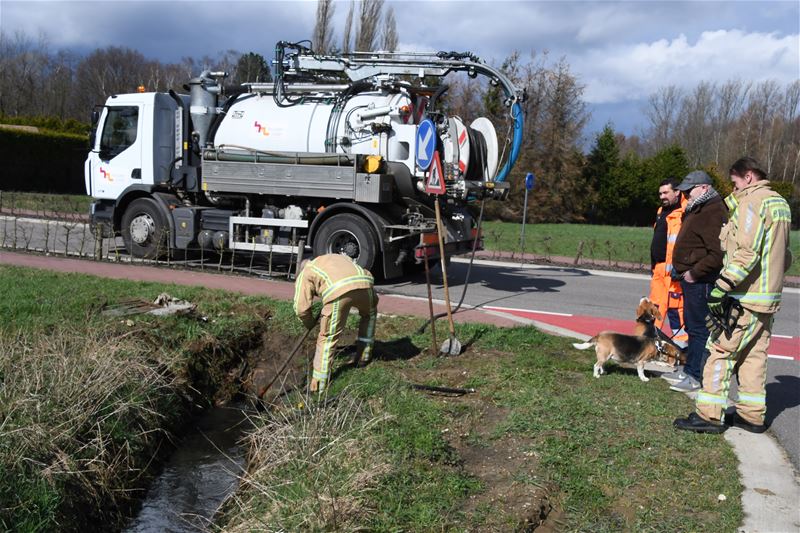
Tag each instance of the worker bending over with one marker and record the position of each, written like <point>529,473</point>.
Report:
<point>341,284</point>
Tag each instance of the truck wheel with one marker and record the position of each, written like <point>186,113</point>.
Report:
<point>144,229</point>
<point>349,235</point>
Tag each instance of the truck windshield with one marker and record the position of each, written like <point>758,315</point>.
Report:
<point>119,130</point>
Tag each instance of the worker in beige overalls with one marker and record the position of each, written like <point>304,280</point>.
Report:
<point>341,284</point>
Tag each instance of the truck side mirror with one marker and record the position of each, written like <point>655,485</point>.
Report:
<point>95,117</point>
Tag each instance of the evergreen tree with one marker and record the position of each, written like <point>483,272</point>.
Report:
<point>599,175</point>
<point>251,67</point>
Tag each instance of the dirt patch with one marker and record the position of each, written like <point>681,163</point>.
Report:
<point>269,372</point>
<point>514,496</point>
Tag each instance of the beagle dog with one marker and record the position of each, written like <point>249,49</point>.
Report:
<point>633,349</point>
<point>646,315</point>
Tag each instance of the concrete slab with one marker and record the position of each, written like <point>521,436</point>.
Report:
<point>771,496</point>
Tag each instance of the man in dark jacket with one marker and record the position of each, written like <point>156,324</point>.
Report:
<point>697,260</point>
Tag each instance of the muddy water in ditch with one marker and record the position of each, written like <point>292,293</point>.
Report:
<point>202,471</point>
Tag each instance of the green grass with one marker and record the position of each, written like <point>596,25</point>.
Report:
<point>607,445</point>
<point>382,457</point>
<point>603,244</point>
<point>45,204</point>
<point>87,400</point>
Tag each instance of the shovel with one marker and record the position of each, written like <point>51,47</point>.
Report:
<point>296,347</point>
<point>451,346</point>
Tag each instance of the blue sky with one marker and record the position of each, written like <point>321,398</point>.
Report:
<point>621,51</point>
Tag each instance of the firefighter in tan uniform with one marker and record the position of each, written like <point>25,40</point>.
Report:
<point>756,245</point>
<point>341,284</point>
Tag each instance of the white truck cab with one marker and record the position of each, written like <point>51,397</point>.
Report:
<point>136,144</point>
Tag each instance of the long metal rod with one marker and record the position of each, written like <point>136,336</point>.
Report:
<point>297,345</point>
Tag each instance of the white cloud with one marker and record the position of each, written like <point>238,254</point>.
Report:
<point>617,73</point>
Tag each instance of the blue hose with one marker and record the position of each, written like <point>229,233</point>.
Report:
<point>516,112</point>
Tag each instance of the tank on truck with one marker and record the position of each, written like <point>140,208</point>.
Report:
<point>300,62</point>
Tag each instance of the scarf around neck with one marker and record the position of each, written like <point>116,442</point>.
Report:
<point>700,200</point>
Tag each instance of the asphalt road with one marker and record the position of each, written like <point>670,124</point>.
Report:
<point>610,296</point>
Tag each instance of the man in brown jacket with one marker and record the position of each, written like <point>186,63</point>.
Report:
<point>696,261</point>
<point>341,284</point>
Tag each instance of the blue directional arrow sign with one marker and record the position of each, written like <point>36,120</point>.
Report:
<point>529,179</point>
<point>426,143</point>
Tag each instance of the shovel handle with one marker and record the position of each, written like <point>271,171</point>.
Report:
<point>439,228</point>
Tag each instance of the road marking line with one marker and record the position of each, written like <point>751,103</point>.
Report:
<point>783,336</point>
<point>785,357</point>
<point>494,308</point>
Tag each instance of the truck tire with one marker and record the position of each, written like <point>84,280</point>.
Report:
<point>349,235</point>
<point>144,229</point>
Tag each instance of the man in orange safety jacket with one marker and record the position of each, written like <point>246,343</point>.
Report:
<point>664,291</point>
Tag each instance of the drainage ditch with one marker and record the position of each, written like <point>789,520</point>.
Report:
<point>210,456</point>
<point>204,469</point>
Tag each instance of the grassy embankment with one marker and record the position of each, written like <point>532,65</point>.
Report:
<point>44,204</point>
<point>87,401</point>
<point>86,398</point>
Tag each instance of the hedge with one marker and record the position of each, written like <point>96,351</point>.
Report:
<point>45,161</point>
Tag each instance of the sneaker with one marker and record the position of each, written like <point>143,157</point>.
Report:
<point>738,422</point>
<point>698,424</point>
<point>675,377</point>
<point>687,385</point>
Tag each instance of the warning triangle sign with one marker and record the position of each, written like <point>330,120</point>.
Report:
<point>435,182</point>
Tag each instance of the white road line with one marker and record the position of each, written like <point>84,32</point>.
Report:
<point>601,273</point>
<point>525,310</point>
<point>526,266</point>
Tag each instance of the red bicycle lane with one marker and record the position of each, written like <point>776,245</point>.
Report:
<point>780,347</point>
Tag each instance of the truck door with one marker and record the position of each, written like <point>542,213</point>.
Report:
<point>115,161</point>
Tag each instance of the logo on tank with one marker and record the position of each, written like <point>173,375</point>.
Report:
<point>261,129</point>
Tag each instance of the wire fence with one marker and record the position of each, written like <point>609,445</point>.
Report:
<point>57,228</point>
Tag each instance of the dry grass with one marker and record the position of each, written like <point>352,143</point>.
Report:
<point>311,468</point>
<point>76,413</point>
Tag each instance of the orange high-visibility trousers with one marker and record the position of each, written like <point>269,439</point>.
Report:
<point>667,295</point>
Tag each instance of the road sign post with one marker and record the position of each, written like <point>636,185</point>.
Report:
<point>529,180</point>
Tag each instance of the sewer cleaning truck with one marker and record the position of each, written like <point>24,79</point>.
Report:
<point>345,153</point>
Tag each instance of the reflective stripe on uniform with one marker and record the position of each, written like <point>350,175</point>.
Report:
<point>711,399</point>
<point>297,287</point>
<point>754,399</point>
<point>324,369</point>
<point>344,282</point>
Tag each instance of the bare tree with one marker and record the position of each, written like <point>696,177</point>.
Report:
<point>369,18</point>
<point>348,29</point>
<point>662,112</point>
<point>791,103</point>
<point>323,27</point>
<point>695,121</point>
<point>728,101</point>
<point>389,35</point>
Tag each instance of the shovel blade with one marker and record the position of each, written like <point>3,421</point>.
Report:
<point>451,346</point>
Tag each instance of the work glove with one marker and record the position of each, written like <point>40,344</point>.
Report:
<point>716,300</point>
